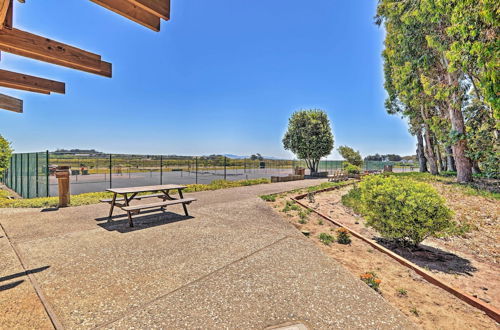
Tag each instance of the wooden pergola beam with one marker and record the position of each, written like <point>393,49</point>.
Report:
<point>132,12</point>
<point>11,103</point>
<point>30,83</point>
<point>31,45</point>
<point>160,8</point>
<point>4,9</point>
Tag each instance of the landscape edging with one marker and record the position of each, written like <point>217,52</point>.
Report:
<point>491,311</point>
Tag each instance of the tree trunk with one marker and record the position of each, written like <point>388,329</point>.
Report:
<point>429,153</point>
<point>462,162</point>
<point>475,167</point>
<point>450,161</point>
<point>422,162</point>
<point>439,159</point>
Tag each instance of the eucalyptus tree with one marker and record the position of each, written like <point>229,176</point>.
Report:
<point>422,83</point>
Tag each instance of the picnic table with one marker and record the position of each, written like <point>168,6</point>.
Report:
<point>158,191</point>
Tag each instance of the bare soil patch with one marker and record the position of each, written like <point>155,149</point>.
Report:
<point>425,304</point>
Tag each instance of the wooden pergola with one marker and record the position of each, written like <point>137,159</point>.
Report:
<point>145,12</point>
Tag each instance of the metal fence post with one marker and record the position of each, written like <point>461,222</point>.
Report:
<point>196,169</point>
<point>110,171</point>
<point>36,174</point>
<point>22,176</point>
<point>47,173</point>
<point>28,176</point>
<point>224,167</point>
<point>161,169</point>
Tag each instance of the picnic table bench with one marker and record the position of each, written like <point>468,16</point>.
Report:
<point>338,175</point>
<point>132,193</point>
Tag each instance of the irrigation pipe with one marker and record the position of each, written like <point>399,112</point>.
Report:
<point>491,311</point>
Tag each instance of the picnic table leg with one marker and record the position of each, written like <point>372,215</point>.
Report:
<point>130,222</point>
<point>112,205</point>
<point>183,204</point>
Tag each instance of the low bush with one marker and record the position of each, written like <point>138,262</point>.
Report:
<point>371,279</point>
<point>402,209</point>
<point>343,236</point>
<point>326,238</point>
<point>269,198</point>
<point>351,169</point>
<point>326,185</point>
<point>353,199</point>
<point>290,206</point>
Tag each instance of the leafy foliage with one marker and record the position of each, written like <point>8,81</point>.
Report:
<point>326,239</point>
<point>353,200</point>
<point>5,153</point>
<point>343,236</point>
<point>351,169</point>
<point>403,210</point>
<point>309,136</point>
<point>441,72</point>
<point>351,155</point>
<point>371,279</point>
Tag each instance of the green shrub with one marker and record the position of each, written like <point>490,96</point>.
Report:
<point>326,238</point>
<point>353,199</point>
<point>290,205</point>
<point>402,209</point>
<point>371,279</point>
<point>351,169</point>
<point>343,236</point>
<point>269,198</point>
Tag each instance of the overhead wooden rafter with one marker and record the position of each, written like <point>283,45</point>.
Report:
<point>145,12</point>
<point>30,83</point>
<point>5,7</point>
<point>160,8</point>
<point>132,12</point>
<point>11,103</point>
<point>31,45</point>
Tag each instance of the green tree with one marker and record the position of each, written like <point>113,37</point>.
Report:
<point>309,136</point>
<point>351,155</point>
<point>435,51</point>
<point>5,153</point>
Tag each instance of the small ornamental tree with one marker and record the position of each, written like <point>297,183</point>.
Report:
<point>309,136</point>
<point>5,153</point>
<point>402,209</point>
<point>351,155</point>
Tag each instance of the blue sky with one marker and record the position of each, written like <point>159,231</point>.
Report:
<point>220,77</point>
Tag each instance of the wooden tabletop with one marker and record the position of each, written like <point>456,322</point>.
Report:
<point>131,190</point>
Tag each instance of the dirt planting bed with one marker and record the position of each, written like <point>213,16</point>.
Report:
<point>425,304</point>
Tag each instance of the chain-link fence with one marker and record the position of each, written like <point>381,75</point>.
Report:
<point>28,174</point>
<point>33,175</point>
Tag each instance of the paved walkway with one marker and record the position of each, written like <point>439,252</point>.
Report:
<point>234,265</point>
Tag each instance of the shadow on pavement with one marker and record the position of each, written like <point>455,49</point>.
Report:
<point>142,221</point>
<point>10,285</point>
<point>15,275</point>
<point>30,271</point>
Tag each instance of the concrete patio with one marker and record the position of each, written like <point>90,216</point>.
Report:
<point>234,264</point>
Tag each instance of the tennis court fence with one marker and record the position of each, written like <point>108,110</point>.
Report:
<point>33,174</point>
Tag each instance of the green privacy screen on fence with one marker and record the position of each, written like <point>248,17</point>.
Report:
<point>28,174</point>
<point>33,174</point>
